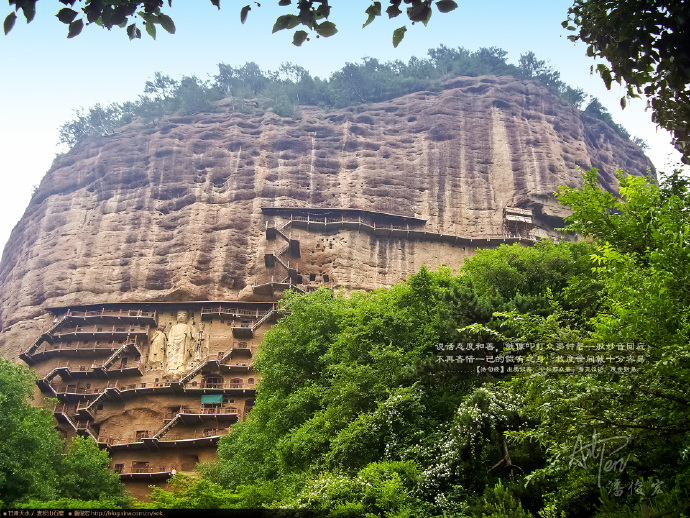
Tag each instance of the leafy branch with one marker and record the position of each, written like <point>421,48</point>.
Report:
<point>310,14</point>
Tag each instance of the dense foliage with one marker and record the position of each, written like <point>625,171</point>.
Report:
<point>646,45</point>
<point>34,472</point>
<point>355,414</point>
<point>252,90</point>
<point>29,440</point>
<point>642,263</point>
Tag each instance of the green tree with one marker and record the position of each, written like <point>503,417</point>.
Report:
<point>30,447</point>
<point>192,95</point>
<point>249,88</point>
<point>246,81</point>
<point>642,264</point>
<point>340,389</point>
<point>34,472</point>
<point>185,492</point>
<point>97,121</point>
<point>515,278</point>
<point>598,111</point>
<point>379,489</point>
<point>531,67</point>
<point>645,43</point>
<point>85,474</point>
<point>162,86</point>
<point>500,503</point>
<point>151,110</point>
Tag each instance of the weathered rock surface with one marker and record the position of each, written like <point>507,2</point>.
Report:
<point>173,212</point>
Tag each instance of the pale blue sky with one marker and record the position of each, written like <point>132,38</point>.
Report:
<point>46,76</point>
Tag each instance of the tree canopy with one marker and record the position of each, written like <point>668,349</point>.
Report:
<point>310,14</point>
<point>35,471</point>
<point>642,269</point>
<point>291,86</point>
<point>646,45</point>
<point>354,415</point>
<point>30,446</point>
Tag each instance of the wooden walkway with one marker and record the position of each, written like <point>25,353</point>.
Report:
<point>401,231</point>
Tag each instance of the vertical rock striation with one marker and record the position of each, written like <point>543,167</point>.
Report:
<point>172,213</point>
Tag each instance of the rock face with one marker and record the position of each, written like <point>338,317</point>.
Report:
<point>173,213</point>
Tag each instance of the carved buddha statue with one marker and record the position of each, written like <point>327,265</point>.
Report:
<point>180,348</point>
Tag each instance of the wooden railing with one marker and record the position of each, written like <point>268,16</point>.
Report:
<point>150,469</point>
<point>225,385</point>
<point>203,411</point>
<point>117,384</point>
<point>363,221</point>
<point>145,469</point>
<point>70,389</point>
<point>102,329</point>
<point>86,426</point>
<point>84,405</point>
<point>234,311</point>
<point>104,313</point>
<point>479,235</point>
<point>65,364</point>
<point>265,317</point>
<point>66,409</point>
<point>116,366</point>
<point>77,344</point>
<point>116,441</point>
<point>197,435</point>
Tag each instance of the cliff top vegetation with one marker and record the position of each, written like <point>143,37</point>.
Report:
<point>285,90</point>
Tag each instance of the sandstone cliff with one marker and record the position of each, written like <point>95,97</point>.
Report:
<point>173,212</point>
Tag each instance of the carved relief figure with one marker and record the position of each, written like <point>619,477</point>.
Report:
<point>201,351</point>
<point>180,346</point>
<point>157,349</point>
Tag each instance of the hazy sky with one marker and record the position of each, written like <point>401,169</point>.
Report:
<point>45,76</point>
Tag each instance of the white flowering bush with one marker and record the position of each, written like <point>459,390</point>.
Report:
<point>473,442</point>
<point>383,433</point>
<point>381,488</point>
